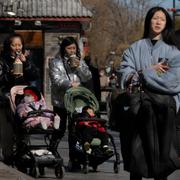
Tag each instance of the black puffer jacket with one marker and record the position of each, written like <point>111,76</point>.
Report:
<point>8,80</point>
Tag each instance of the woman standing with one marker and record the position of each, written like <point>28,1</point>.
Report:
<point>150,150</point>
<point>25,73</point>
<point>14,53</point>
<point>66,71</point>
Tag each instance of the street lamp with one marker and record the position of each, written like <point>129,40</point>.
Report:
<point>173,10</point>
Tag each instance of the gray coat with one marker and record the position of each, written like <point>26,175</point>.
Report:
<point>61,76</point>
<point>141,55</point>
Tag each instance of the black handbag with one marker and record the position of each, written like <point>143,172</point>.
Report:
<point>124,106</point>
<point>118,111</point>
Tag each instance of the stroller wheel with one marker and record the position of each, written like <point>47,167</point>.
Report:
<point>59,172</point>
<point>33,172</point>
<point>22,169</point>
<point>86,169</point>
<point>41,171</point>
<point>116,168</point>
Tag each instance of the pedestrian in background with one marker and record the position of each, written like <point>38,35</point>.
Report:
<point>104,83</point>
<point>151,66</point>
<point>94,83</point>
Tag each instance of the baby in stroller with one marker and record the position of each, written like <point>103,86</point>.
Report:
<point>32,121</point>
<point>93,131</point>
<point>32,110</point>
<point>89,140</point>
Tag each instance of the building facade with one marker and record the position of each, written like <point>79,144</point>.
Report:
<point>43,24</point>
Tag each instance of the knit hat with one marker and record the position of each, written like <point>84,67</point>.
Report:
<point>33,91</point>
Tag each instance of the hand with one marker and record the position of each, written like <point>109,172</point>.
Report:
<point>75,84</point>
<point>74,62</point>
<point>23,114</point>
<point>22,56</point>
<point>160,67</point>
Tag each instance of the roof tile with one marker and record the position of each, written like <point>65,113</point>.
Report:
<point>46,8</point>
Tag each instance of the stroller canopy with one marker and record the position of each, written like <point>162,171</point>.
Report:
<point>77,98</point>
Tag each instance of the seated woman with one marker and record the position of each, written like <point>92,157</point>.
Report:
<point>32,110</point>
<point>93,131</point>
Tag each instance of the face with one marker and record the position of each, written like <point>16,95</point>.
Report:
<point>158,23</point>
<point>101,73</point>
<point>90,112</point>
<point>28,98</point>
<point>16,45</point>
<point>71,49</point>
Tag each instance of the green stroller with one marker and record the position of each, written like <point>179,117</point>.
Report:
<point>75,100</point>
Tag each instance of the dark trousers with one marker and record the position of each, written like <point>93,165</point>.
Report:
<point>6,134</point>
<point>154,137</point>
<point>178,132</point>
<point>157,119</point>
<point>88,133</point>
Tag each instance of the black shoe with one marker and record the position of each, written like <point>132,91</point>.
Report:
<point>134,176</point>
<point>74,166</point>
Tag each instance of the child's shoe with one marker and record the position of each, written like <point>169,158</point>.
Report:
<point>107,150</point>
<point>95,142</point>
<point>56,122</point>
<point>87,148</point>
<point>44,125</point>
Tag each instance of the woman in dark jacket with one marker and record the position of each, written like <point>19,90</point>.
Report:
<point>25,73</point>
<point>14,50</point>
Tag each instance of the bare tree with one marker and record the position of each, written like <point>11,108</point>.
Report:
<point>115,24</point>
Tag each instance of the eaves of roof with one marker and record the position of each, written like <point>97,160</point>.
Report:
<point>45,9</point>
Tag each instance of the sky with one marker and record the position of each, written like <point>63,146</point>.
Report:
<point>167,3</point>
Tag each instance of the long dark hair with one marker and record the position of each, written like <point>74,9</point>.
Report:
<point>168,34</point>
<point>66,42</point>
<point>6,45</point>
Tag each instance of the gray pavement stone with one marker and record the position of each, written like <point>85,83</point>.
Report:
<point>8,173</point>
<point>105,170</point>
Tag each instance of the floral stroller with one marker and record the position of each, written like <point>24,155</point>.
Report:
<point>75,99</point>
<point>29,157</point>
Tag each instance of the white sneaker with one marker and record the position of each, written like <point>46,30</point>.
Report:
<point>56,122</point>
<point>43,124</point>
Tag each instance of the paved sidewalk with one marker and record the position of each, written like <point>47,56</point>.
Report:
<point>8,173</point>
<point>105,170</point>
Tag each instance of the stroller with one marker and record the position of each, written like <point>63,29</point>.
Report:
<point>75,99</point>
<point>29,157</point>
